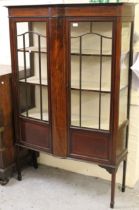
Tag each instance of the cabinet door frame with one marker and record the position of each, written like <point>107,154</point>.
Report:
<point>13,40</point>
<point>115,71</point>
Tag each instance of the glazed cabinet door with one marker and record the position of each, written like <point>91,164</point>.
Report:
<point>90,88</point>
<point>32,83</point>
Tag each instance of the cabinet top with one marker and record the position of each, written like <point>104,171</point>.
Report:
<point>75,3</point>
<point>72,10</point>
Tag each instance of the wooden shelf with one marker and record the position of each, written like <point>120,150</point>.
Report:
<point>33,49</point>
<point>91,90</point>
<point>35,113</point>
<point>123,87</point>
<point>87,123</point>
<point>88,86</point>
<point>35,80</point>
<point>90,123</point>
<point>88,52</point>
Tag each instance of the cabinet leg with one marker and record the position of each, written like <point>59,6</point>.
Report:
<point>34,159</point>
<point>124,175</point>
<point>113,188</point>
<point>18,165</point>
<point>4,181</point>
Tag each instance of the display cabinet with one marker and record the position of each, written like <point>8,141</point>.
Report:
<point>71,81</point>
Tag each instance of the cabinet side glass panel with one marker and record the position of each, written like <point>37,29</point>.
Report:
<point>124,75</point>
<point>32,69</point>
<point>90,74</point>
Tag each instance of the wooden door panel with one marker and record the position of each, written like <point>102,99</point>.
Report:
<point>36,134</point>
<point>89,144</point>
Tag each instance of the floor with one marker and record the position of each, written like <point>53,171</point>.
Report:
<point>53,189</point>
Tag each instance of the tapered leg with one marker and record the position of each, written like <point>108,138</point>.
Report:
<point>124,175</point>
<point>34,159</point>
<point>18,164</point>
<point>4,181</point>
<point>113,188</point>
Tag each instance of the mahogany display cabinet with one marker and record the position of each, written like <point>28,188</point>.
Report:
<point>71,81</point>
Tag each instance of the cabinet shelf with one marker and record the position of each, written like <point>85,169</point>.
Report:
<point>33,49</point>
<point>35,80</point>
<point>90,86</point>
<point>35,113</point>
<point>123,87</point>
<point>88,52</point>
<point>87,87</point>
<point>92,90</point>
<point>89,123</point>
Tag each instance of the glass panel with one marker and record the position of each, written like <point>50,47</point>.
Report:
<point>75,71</point>
<point>78,29</point>
<point>21,59</point>
<point>124,70</point>
<point>21,28</point>
<point>102,28</point>
<point>44,104</point>
<point>91,72</point>
<point>34,28</point>
<point>90,78</point>
<point>126,33</point>
<point>91,58</point>
<point>105,111</point>
<point>84,28</point>
<point>75,108</point>
<point>87,46</point>
<point>123,102</point>
<point>32,74</point>
<point>123,105</point>
<point>106,73</point>
<point>35,111</point>
<point>30,105</point>
<point>84,113</point>
<point>32,68</point>
<point>26,95</point>
<point>90,110</point>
